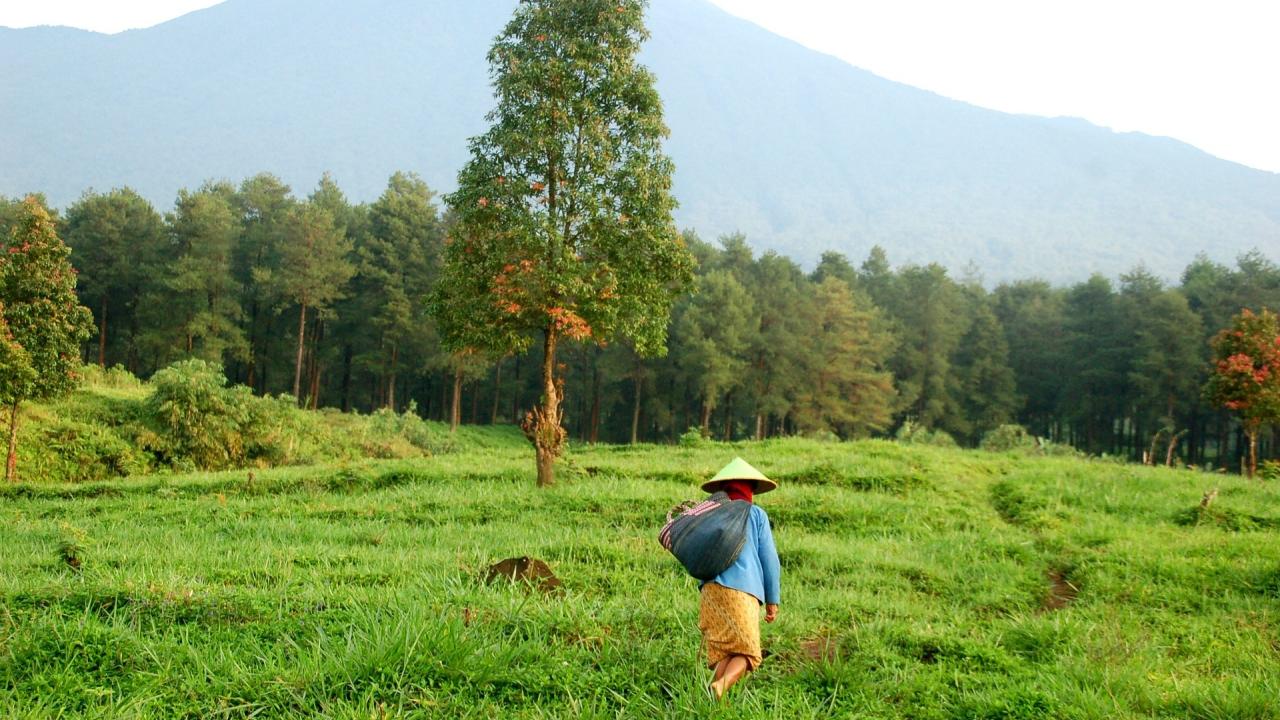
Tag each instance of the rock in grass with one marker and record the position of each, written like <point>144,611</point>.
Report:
<point>525,569</point>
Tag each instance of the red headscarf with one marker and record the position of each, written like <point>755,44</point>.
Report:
<point>740,489</point>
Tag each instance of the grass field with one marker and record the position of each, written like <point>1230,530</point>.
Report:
<point>917,583</point>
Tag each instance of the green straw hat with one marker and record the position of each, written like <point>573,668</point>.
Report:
<point>740,469</point>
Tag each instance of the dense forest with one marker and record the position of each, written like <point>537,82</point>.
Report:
<point>326,300</point>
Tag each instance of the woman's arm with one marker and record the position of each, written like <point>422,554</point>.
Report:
<point>769,561</point>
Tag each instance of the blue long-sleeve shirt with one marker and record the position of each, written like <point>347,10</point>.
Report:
<point>756,571</point>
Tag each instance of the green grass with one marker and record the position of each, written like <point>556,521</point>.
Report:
<point>106,430</point>
<point>917,583</point>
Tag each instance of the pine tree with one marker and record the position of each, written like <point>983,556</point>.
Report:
<point>314,270</point>
<point>203,293</point>
<point>41,320</point>
<point>116,240</point>
<point>263,204</point>
<point>1031,315</point>
<point>399,260</point>
<point>928,308</point>
<point>711,339</point>
<point>778,344</point>
<point>1098,363</point>
<point>563,211</point>
<point>847,388</point>
<point>987,386</point>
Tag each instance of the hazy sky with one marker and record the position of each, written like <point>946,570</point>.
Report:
<point>1204,72</point>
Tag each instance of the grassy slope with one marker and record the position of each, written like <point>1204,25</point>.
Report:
<point>105,431</point>
<point>915,585</point>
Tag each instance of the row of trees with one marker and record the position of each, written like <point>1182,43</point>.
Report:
<point>327,300</point>
<point>312,296</point>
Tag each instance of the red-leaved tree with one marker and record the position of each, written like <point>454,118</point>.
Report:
<point>1246,373</point>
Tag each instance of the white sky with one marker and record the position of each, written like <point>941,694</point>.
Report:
<point>1203,71</point>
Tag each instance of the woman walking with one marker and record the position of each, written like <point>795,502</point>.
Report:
<point>729,616</point>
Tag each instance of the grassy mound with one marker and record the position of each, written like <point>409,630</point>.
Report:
<point>952,585</point>
<point>116,426</point>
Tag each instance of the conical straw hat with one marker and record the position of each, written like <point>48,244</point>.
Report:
<point>740,469</point>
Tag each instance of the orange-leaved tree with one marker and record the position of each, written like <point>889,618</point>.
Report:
<point>1246,374</point>
<point>562,217</point>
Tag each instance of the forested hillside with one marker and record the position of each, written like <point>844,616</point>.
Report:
<point>762,348</point>
<point>799,151</point>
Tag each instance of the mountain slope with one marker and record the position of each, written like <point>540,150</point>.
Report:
<point>799,150</point>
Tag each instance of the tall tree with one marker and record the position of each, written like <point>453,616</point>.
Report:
<point>1246,373</point>
<point>1031,314</point>
<point>115,239</point>
<point>399,259</point>
<point>41,320</point>
<point>1167,363</point>
<point>314,270</point>
<point>848,390</point>
<point>712,334</point>
<point>264,203</point>
<point>563,212</point>
<point>202,292</point>
<point>777,344</point>
<point>929,310</point>
<point>1098,363</point>
<point>987,386</point>
<point>349,327</point>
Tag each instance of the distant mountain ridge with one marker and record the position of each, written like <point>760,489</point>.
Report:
<point>800,151</point>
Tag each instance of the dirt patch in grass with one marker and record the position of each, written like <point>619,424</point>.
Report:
<point>1062,592</point>
<point>532,571</point>
<point>819,649</point>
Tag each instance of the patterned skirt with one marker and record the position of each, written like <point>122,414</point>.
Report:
<point>730,623</point>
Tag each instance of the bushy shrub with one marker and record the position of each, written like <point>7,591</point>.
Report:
<point>395,435</point>
<point>1008,437</point>
<point>276,432</point>
<point>693,438</point>
<point>913,433</point>
<point>116,377</point>
<point>72,451</point>
<point>199,420</point>
<point>823,435</point>
<point>1269,470</point>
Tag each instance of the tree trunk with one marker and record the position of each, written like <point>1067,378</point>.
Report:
<point>542,425</point>
<point>391,385</point>
<point>297,366</point>
<point>593,433</point>
<point>1253,451</point>
<point>455,412</point>
<point>515,396</point>
<point>446,399</point>
<point>253,345</point>
<point>1150,459</point>
<point>759,426</point>
<point>706,418</point>
<point>102,335</point>
<point>729,420</point>
<point>346,378</point>
<point>313,365</point>
<point>11,467</point>
<point>497,392</point>
<point>1173,445</point>
<point>315,388</point>
<point>635,414</point>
